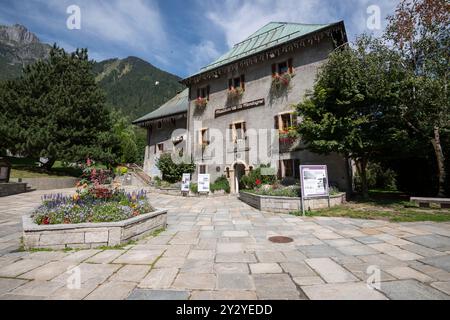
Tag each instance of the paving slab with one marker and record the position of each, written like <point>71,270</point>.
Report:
<point>199,282</point>
<point>432,241</point>
<point>438,262</point>
<point>442,286</point>
<point>112,290</point>
<point>131,273</point>
<point>20,267</point>
<point>231,268</point>
<point>7,285</point>
<point>48,271</point>
<point>342,291</point>
<point>106,256</point>
<point>159,278</point>
<point>224,295</point>
<point>408,273</point>
<point>235,282</point>
<point>257,268</point>
<point>139,257</point>
<point>330,271</point>
<point>275,287</point>
<point>411,290</point>
<point>170,295</point>
<point>37,288</point>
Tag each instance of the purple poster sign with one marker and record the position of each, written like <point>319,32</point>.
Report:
<point>314,181</point>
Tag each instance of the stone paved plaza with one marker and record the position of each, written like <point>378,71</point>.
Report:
<point>218,248</point>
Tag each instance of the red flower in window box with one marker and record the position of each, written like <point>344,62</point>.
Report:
<point>201,102</point>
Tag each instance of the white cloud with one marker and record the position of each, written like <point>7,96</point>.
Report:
<point>238,19</point>
<point>201,55</point>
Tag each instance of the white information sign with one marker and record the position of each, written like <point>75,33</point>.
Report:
<point>314,181</point>
<point>186,182</point>
<point>203,183</point>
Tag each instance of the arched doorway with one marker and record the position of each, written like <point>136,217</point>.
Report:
<point>239,172</point>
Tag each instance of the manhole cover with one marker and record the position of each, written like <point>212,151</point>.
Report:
<point>280,239</point>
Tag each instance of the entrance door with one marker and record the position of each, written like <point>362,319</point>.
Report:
<point>239,172</point>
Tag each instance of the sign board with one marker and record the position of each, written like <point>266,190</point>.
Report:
<point>203,183</point>
<point>186,182</point>
<point>240,107</point>
<point>314,181</point>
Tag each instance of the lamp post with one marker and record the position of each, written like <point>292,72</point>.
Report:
<point>5,170</point>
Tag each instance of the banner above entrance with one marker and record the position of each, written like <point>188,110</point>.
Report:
<point>240,107</point>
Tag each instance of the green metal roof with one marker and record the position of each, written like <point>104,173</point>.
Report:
<point>176,105</point>
<point>271,35</point>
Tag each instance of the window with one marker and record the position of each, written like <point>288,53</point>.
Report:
<point>288,168</point>
<point>203,92</point>
<point>159,124</point>
<point>161,147</point>
<point>285,121</point>
<point>238,131</point>
<point>202,169</point>
<point>237,83</point>
<point>173,121</point>
<point>204,137</point>
<point>283,67</point>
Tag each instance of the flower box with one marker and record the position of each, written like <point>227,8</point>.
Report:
<point>201,102</point>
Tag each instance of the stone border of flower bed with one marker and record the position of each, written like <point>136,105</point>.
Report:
<point>286,204</point>
<point>177,193</point>
<point>90,235</point>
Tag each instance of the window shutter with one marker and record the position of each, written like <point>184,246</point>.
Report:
<point>274,69</point>
<point>198,93</point>
<point>230,84</point>
<point>208,90</point>
<point>290,66</point>
<point>231,132</point>
<point>277,125</point>
<point>243,82</point>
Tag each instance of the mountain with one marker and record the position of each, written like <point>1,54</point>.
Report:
<point>135,86</point>
<point>18,48</point>
<point>132,85</point>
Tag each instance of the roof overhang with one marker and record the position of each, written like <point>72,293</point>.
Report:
<point>147,122</point>
<point>268,54</point>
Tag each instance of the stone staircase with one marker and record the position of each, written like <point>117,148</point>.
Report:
<point>139,174</point>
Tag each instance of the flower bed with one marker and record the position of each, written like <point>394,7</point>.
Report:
<point>282,82</point>
<point>98,205</point>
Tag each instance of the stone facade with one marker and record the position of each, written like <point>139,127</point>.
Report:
<point>286,205</point>
<point>90,235</point>
<point>162,133</point>
<point>241,155</point>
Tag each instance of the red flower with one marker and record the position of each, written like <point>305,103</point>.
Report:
<point>258,182</point>
<point>46,220</point>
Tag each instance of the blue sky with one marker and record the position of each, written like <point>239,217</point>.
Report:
<point>174,35</point>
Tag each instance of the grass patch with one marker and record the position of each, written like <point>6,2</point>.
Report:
<point>383,205</point>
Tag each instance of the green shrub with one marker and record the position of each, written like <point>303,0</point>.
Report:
<point>251,180</point>
<point>194,188</point>
<point>172,172</point>
<point>221,184</point>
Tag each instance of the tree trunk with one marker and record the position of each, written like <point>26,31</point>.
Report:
<point>436,141</point>
<point>361,166</point>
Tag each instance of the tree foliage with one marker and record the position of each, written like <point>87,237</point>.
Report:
<point>57,111</point>
<point>349,110</point>
<point>173,172</point>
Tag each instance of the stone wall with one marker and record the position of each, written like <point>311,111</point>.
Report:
<point>49,183</point>
<point>9,189</point>
<point>90,235</point>
<point>286,205</point>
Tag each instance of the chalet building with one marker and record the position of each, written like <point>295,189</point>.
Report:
<point>252,88</point>
<point>166,131</point>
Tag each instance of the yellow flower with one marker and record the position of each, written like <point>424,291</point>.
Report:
<point>76,197</point>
